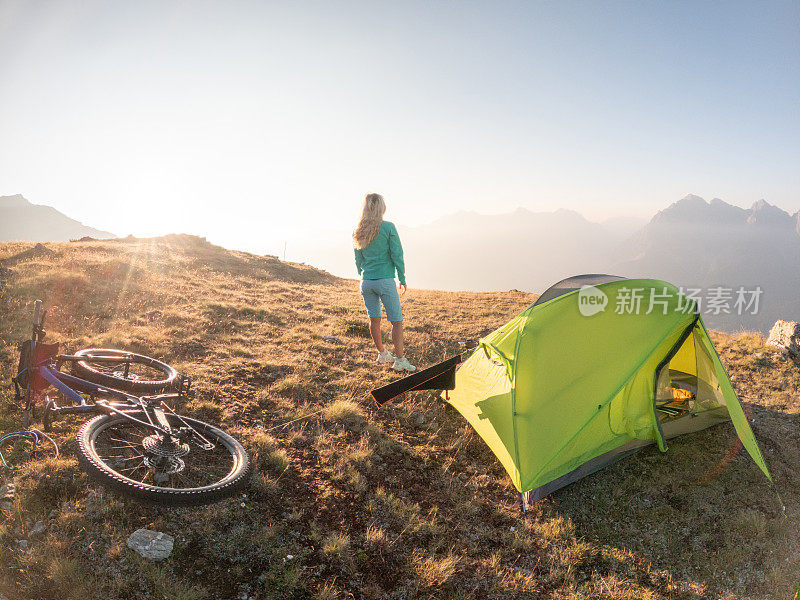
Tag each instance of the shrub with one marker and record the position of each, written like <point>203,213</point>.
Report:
<point>336,544</point>
<point>353,328</point>
<point>347,413</point>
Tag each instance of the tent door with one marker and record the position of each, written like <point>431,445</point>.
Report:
<point>674,389</point>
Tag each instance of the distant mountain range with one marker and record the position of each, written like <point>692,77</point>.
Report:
<point>22,221</point>
<point>702,244</point>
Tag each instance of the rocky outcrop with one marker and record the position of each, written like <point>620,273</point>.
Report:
<point>785,335</point>
<point>37,250</point>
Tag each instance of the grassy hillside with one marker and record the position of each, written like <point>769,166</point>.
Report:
<point>354,502</point>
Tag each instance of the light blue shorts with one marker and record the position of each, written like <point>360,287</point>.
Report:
<point>375,291</point>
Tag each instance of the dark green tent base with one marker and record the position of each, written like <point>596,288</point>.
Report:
<point>587,468</point>
<point>672,428</point>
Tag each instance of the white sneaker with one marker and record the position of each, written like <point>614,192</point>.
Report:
<point>384,357</point>
<point>401,364</point>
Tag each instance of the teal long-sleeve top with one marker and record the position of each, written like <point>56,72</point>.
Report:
<point>383,256</point>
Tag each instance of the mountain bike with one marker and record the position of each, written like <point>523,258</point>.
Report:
<point>136,445</point>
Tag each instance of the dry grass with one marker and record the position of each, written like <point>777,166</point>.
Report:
<point>353,502</point>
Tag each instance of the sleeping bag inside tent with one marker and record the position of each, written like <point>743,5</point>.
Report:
<point>598,368</point>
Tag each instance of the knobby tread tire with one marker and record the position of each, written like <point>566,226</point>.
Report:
<point>102,473</point>
<point>86,371</point>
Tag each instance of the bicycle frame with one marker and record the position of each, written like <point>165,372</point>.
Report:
<point>136,444</point>
<point>105,400</point>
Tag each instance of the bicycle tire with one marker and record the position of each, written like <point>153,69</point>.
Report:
<point>99,470</point>
<point>85,370</point>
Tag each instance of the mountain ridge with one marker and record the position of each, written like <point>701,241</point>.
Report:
<point>21,220</point>
<point>699,244</point>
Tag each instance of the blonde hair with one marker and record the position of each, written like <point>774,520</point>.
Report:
<point>370,222</point>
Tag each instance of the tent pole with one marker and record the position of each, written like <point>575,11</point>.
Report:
<point>522,504</point>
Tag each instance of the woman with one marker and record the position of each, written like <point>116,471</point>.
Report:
<point>378,255</point>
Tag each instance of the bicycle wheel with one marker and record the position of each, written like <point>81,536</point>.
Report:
<point>134,373</point>
<point>134,460</point>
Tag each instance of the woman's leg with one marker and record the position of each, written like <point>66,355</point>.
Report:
<point>397,338</point>
<point>394,314</point>
<point>375,330</point>
<point>372,301</point>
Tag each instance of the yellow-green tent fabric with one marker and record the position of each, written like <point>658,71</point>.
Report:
<point>588,374</point>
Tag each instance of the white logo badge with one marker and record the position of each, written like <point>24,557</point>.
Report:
<point>591,300</point>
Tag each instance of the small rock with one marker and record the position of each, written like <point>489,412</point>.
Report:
<point>7,491</point>
<point>22,545</point>
<point>759,355</point>
<point>333,339</point>
<point>38,528</point>
<point>785,335</point>
<point>417,417</point>
<point>151,544</point>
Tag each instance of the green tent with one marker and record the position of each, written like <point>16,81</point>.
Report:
<point>598,368</point>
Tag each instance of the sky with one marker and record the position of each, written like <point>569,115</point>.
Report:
<point>253,123</point>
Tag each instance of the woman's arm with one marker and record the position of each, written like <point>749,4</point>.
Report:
<point>396,254</point>
<point>359,260</point>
